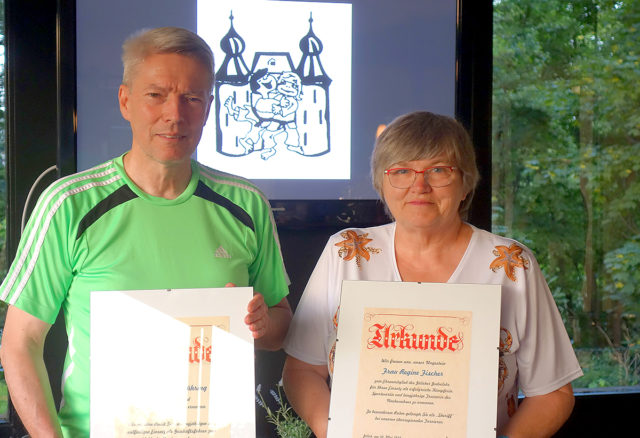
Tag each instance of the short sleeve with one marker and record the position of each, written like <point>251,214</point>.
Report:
<point>312,324</point>
<point>545,357</point>
<point>40,275</point>
<point>267,272</point>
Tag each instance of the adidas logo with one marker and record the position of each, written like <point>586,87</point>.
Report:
<point>222,253</point>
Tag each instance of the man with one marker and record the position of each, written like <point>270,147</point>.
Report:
<point>150,219</point>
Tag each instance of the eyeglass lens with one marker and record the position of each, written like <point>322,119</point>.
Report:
<point>434,176</point>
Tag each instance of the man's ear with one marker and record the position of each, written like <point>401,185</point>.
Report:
<point>123,100</point>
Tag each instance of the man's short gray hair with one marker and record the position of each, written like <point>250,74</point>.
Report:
<point>423,135</point>
<point>163,40</point>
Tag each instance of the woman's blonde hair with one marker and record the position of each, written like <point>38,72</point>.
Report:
<point>423,135</point>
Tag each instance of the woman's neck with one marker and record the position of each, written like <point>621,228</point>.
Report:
<point>427,239</point>
<point>428,256</point>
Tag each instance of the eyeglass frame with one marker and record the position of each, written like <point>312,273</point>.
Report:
<point>423,172</point>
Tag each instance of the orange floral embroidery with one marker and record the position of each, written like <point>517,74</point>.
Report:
<point>355,246</point>
<point>503,373</point>
<point>506,341</point>
<point>509,259</point>
<point>332,358</point>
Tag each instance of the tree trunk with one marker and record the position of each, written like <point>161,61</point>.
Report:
<point>503,178</point>
<point>589,290</point>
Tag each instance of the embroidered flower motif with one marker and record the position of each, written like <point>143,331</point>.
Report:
<point>509,259</point>
<point>335,318</point>
<point>503,373</point>
<point>332,358</point>
<point>355,246</point>
<point>506,341</point>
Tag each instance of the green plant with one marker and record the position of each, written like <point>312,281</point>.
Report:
<point>287,423</point>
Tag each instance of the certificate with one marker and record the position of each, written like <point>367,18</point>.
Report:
<point>416,359</point>
<point>172,363</point>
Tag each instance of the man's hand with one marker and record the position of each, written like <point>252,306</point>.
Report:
<point>258,316</point>
<point>268,325</point>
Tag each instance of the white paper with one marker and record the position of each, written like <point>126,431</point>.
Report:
<point>416,359</point>
<point>172,363</point>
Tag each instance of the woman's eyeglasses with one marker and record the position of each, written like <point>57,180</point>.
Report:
<point>435,176</point>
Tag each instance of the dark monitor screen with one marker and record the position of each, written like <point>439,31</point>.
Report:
<point>301,86</point>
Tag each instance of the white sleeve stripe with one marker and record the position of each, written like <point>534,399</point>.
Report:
<point>214,175</point>
<point>43,230</point>
<point>30,238</point>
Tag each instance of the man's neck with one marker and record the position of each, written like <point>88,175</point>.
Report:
<point>158,179</point>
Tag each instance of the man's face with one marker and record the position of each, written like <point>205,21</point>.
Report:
<point>167,104</point>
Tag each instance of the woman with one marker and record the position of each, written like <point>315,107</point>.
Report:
<point>423,167</point>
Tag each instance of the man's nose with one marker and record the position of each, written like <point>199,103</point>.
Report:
<point>173,109</point>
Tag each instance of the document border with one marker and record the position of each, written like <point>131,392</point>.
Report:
<point>483,301</point>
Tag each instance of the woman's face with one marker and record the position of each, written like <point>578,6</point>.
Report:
<point>422,206</point>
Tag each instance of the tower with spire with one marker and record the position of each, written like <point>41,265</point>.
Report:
<point>242,129</point>
<point>232,82</point>
<point>314,125</point>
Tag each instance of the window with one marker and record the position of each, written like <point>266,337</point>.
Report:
<point>566,168</point>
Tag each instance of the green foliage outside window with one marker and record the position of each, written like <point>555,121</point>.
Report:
<point>566,166</point>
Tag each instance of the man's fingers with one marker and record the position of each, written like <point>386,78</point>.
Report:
<point>256,315</point>
<point>256,303</point>
<point>257,331</point>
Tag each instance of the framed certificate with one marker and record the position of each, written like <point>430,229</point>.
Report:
<point>416,359</point>
<point>172,363</point>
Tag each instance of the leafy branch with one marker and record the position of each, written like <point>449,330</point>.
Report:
<point>287,423</point>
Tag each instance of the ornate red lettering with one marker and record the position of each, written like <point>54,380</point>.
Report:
<point>389,336</point>
<point>376,341</point>
<point>198,352</point>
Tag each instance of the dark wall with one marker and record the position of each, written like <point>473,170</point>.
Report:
<point>40,63</point>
